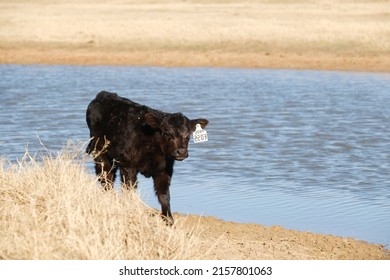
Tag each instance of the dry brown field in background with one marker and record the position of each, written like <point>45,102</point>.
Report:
<point>299,34</point>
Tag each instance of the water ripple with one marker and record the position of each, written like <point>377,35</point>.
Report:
<point>304,149</point>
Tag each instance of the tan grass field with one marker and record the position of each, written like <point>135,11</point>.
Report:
<point>301,34</point>
<point>53,208</point>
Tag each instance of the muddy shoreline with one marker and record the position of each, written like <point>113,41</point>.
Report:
<point>162,58</point>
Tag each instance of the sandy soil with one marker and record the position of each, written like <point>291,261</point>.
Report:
<point>194,59</point>
<point>352,35</point>
<point>235,241</point>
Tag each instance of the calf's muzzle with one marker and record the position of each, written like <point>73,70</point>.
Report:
<point>181,154</point>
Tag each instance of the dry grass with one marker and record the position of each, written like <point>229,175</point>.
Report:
<point>53,209</point>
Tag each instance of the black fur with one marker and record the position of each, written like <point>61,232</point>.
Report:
<point>135,138</point>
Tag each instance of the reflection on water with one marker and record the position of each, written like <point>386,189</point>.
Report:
<point>307,150</point>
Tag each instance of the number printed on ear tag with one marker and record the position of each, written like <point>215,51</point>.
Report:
<point>200,135</point>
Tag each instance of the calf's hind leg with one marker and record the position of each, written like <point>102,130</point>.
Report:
<point>106,171</point>
<point>128,177</point>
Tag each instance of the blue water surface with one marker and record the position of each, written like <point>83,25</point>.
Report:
<point>307,150</point>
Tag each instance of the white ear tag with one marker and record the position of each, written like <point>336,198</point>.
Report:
<point>200,135</point>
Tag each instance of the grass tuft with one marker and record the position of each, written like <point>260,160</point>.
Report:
<point>53,208</point>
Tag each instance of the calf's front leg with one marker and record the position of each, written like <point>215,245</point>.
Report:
<point>161,187</point>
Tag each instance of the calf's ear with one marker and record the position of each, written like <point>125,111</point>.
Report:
<point>194,122</point>
<point>152,120</point>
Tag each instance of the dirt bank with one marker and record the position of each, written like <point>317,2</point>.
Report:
<point>254,242</point>
<point>194,59</point>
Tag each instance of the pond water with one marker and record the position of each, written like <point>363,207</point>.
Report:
<point>307,150</point>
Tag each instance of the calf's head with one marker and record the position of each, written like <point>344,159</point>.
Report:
<point>175,130</point>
